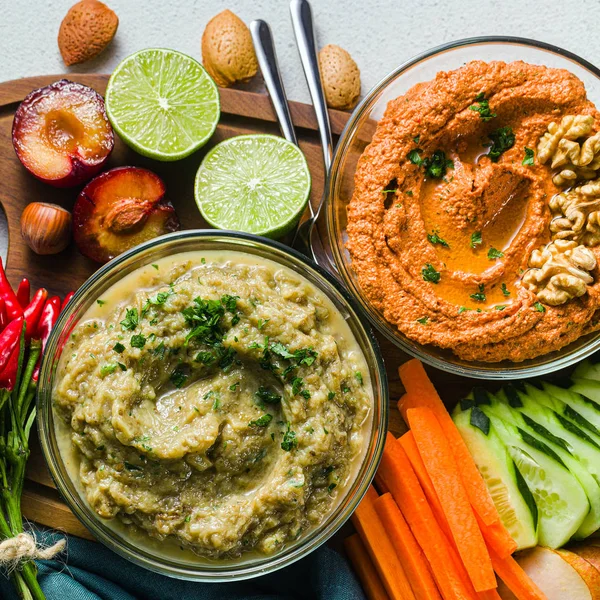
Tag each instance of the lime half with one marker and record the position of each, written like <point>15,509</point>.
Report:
<point>162,103</point>
<point>254,183</point>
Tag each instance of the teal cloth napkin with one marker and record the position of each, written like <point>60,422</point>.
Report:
<point>92,572</point>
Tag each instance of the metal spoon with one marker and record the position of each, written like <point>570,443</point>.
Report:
<point>267,60</point>
<point>305,241</point>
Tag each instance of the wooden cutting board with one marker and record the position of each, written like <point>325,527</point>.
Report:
<point>242,112</point>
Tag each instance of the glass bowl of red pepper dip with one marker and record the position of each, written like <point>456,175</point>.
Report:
<point>169,558</point>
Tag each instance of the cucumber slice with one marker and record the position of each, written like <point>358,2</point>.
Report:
<point>564,451</point>
<point>560,498</point>
<point>590,390</point>
<point>583,411</point>
<point>510,493</point>
<point>586,370</point>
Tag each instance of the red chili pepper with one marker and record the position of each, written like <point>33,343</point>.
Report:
<point>52,309</point>
<point>67,300</point>
<point>24,292</point>
<point>8,375</point>
<point>13,308</point>
<point>3,317</point>
<point>33,312</point>
<point>9,346</point>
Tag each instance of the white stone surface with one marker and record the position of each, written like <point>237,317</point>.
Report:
<point>380,34</point>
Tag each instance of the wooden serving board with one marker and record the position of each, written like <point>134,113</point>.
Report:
<point>242,112</point>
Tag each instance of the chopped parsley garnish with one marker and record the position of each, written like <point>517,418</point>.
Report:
<point>131,467</point>
<point>480,295</point>
<point>437,165</point>
<point>359,377</point>
<point>138,341</point>
<point>289,441</point>
<point>130,322</point>
<point>234,387</point>
<point>330,395</point>
<point>331,487</point>
<point>504,290</point>
<point>205,357</point>
<point>178,378</point>
<point>305,394</point>
<point>500,307</point>
<point>417,139</point>
<point>502,140</point>
<point>156,267</point>
<point>409,193</point>
<point>122,366</point>
<point>540,307</point>
<point>430,274</point>
<point>160,351</point>
<point>263,394</point>
<point>476,239</point>
<point>261,421</point>
<point>529,157</point>
<point>493,254</point>
<point>297,384</point>
<point>107,369</point>
<point>482,106</point>
<point>118,347</point>
<point>262,323</point>
<point>101,302</point>
<point>462,309</point>
<point>423,320</point>
<point>434,238</point>
<point>415,158</point>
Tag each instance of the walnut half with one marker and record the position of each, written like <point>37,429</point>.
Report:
<point>560,272</point>
<point>577,214</point>
<point>575,160</point>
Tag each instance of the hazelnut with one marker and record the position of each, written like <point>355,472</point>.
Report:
<point>340,76</point>
<point>46,228</point>
<point>227,50</point>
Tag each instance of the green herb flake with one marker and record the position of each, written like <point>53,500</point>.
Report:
<point>305,394</point>
<point>330,395</point>
<point>493,254</point>
<point>503,139</point>
<point>122,366</point>
<point>130,322</point>
<point>100,302</point>
<point>359,377</point>
<point>289,441</point>
<point>462,309</point>
<point>263,394</point>
<point>261,421</point>
<point>107,369</point>
<point>409,193</point>
<point>178,378</point>
<point>437,165</point>
<point>529,159</point>
<point>434,238</point>
<point>417,139</point>
<point>430,274</point>
<point>297,384</point>
<point>500,307</point>
<point>482,106</point>
<point>540,307</point>
<point>131,467</point>
<point>119,348</point>
<point>476,239</point>
<point>138,341</point>
<point>423,320</point>
<point>155,266</point>
<point>504,289</point>
<point>234,387</point>
<point>480,295</point>
<point>415,158</point>
<point>262,323</point>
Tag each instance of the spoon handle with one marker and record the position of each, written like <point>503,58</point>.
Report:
<point>304,31</point>
<point>267,59</point>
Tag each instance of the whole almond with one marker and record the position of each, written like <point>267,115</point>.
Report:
<point>340,76</point>
<point>227,50</point>
<point>86,30</point>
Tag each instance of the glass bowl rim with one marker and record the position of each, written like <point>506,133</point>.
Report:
<point>418,350</point>
<point>321,533</point>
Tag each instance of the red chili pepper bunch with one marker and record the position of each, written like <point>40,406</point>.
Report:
<point>25,325</point>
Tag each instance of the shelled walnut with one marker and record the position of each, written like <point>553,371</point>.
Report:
<point>576,160</point>
<point>578,214</point>
<point>560,272</point>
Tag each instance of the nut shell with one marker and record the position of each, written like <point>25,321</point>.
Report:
<point>86,30</point>
<point>227,50</point>
<point>46,228</point>
<point>340,76</point>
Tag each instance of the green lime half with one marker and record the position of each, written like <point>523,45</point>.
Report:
<point>254,183</point>
<point>162,103</point>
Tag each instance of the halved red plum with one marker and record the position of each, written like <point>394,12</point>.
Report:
<point>121,209</point>
<point>61,133</point>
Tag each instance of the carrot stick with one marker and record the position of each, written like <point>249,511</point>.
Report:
<point>407,441</point>
<point>441,466</point>
<point>395,470</point>
<point>410,554</point>
<point>516,580</point>
<point>364,568</point>
<point>420,392</point>
<point>381,550</point>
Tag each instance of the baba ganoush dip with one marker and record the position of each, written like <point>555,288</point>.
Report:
<point>217,400</point>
